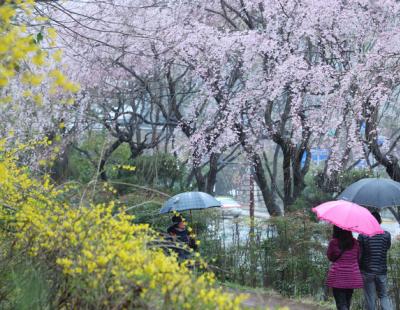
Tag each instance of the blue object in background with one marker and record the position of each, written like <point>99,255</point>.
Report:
<point>317,156</point>
<point>362,128</point>
<point>381,140</point>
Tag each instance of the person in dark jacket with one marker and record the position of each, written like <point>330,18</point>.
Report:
<point>344,274</point>
<point>179,232</point>
<point>373,265</point>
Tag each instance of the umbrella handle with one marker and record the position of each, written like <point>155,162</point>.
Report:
<point>191,220</point>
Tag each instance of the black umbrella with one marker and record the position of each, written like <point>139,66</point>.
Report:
<point>373,192</point>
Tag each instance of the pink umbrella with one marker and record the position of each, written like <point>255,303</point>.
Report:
<point>348,216</point>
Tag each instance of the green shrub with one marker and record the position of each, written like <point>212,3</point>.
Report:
<point>160,170</point>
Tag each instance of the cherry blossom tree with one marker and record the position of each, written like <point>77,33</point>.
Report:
<point>297,74</point>
<point>296,61</point>
<point>280,65</point>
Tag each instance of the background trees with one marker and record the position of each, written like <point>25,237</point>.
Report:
<point>270,79</point>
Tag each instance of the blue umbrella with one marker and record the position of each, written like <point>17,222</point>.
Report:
<point>189,201</point>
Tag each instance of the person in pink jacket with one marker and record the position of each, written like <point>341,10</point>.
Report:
<point>344,273</point>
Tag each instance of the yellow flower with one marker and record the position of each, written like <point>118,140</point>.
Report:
<point>57,55</point>
<point>6,13</point>
<point>39,58</point>
<point>52,34</point>
<point>91,266</point>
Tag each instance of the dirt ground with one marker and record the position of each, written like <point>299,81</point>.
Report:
<point>273,301</point>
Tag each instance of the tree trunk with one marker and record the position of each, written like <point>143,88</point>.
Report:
<point>190,177</point>
<point>136,150</point>
<point>259,175</point>
<point>212,173</point>
<point>59,170</point>
<point>299,172</point>
<point>200,180</point>
<point>269,200</point>
<point>107,153</point>
<point>287,176</point>
<point>393,169</point>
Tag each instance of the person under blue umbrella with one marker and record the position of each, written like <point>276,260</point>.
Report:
<point>179,232</point>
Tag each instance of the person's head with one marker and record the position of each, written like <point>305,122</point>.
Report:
<point>345,237</point>
<point>178,221</point>
<point>377,216</point>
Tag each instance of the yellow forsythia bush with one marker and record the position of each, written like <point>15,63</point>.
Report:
<point>104,260</point>
<point>100,259</point>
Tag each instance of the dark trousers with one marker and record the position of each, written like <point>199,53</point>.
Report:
<point>342,298</point>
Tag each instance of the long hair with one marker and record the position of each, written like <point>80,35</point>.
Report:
<point>346,241</point>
